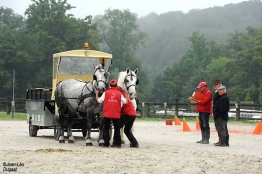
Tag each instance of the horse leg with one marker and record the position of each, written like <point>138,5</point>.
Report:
<point>61,133</point>
<point>122,135</point>
<point>69,127</point>
<point>90,113</point>
<point>101,132</point>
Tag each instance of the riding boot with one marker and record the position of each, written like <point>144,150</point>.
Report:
<point>218,142</point>
<point>227,141</point>
<point>203,137</point>
<point>207,136</point>
<point>222,143</point>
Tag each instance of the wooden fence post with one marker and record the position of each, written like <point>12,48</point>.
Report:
<point>8,105</point>
<point>237,111</point>
<point>143,110</point>
<point>165,109</point>
<point>176,107</point>
<point>148,106</point>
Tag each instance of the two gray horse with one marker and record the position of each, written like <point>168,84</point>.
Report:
<point>78,107</point>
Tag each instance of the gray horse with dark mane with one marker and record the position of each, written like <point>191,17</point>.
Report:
<point>77,105</point>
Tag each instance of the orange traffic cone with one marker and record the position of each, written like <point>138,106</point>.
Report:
<point>186,128</point>
<point>258,128</point>
<point>177,122</point>
<point>197,124</point>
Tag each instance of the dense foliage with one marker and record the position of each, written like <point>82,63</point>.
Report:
<point>172,51</point>
<point>168,33</point>
<point>238,63</point>
<point>122,38</point>
<point>27,45</point>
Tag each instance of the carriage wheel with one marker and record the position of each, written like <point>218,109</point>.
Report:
<point>56,132</point>
<point>32,130</point>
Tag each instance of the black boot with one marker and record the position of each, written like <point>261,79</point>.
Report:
<point>222,143</point>
<point>207,136</point>
<point>203,137</point>
<point>227,141</point>
<point>218,142</point>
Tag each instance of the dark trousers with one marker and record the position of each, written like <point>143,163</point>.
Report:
<point>204,121</point>
<point>221,126</point>
<point>107,122</point>
<point>128,122</point>
<point>215,121</point>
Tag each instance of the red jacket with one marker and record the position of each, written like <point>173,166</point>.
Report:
<point>128,109</point>
<point>112,103</point>
<point>205,105</point>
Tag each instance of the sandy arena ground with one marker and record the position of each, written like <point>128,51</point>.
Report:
<point>163,149</point>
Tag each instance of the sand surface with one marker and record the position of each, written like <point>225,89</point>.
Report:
<point>163,149</point>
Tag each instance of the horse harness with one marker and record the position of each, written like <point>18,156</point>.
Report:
<point>127,87</point>
<point>126,81</point>
<point>80,98</point>
<point>106,75</point>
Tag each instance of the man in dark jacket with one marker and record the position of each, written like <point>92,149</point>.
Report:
<point>217,84</point>
<point>221,116</point>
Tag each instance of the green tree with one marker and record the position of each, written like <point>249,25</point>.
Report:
<point>122,38</point>
<point>247,67</point>
<point>56,31</point>
<point>12,51</point>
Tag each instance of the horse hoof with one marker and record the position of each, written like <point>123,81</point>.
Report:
<point>61,141</point>
<point>101,144</point>
<point>89,144</point>
<point>71,141</point>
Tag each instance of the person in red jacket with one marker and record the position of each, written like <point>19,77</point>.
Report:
<point>204,108</point>
<point>127,119</point>
<point>113,101</point>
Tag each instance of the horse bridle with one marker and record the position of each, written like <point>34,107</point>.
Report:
<point>106,75</point>
<point>126,81</point>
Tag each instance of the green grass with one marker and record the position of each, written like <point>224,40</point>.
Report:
<point>17,116</point>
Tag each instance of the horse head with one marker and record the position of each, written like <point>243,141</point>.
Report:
<point>100,78</point>
<point>128,80</point>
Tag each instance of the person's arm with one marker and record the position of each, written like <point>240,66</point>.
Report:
<point>101,99</point>
<point>206,99</point>
<point>192,99</point>
<point>124,99</point>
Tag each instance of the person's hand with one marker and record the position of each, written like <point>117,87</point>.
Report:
<point>190,98</point>
<point>97,92</point>
<point>132,96</point>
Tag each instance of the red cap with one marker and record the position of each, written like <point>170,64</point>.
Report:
<point>201,84</point>
<point>112,82</point>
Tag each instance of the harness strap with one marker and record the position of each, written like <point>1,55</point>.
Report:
<point>82,97</point>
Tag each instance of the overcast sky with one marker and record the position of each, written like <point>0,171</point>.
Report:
<point>140,7</point>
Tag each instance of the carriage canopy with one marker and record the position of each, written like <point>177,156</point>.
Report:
<point>77,64</point>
